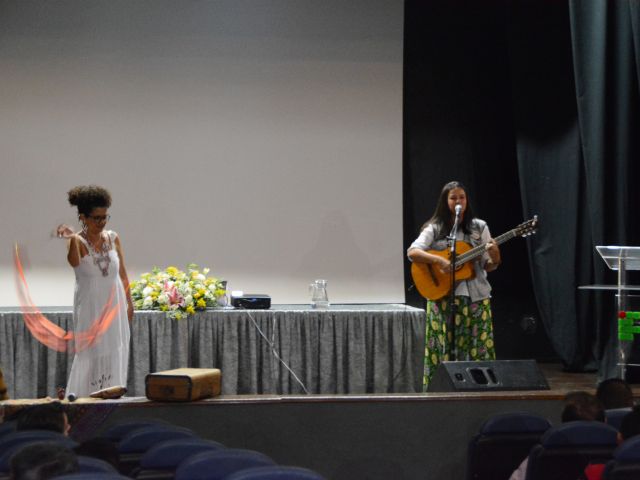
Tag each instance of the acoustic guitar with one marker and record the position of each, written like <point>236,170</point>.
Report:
<point>433,284</point>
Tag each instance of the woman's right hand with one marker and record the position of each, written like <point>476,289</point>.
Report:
<point>64,231</point>
<point>444,265</point>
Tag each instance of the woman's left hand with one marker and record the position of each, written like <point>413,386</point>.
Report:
<point>493,251</point>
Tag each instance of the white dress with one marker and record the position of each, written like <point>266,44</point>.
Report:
<point>103,364</point>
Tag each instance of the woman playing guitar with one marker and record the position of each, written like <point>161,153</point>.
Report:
<point>473,324</point>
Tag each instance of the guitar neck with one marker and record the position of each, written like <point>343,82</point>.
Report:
<point>480,249</point>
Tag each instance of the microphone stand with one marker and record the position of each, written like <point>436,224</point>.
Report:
<point>452,292</point>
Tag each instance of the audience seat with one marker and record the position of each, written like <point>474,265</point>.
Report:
<point>136,443</point>
<point>13,442</point>
<point>614,416</point>
<point>626,461</point>
<point>120,430</point>
<point>7,427</point>
<point>92,476</point>
<point>503,442</point>
<point>275,472</point>
<point>567,449</point>
<point>91,464</point>
<point>161,460</point>
<point>30,436</point>
<point>219,464</point>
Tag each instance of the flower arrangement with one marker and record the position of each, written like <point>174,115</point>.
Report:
<point>178,293</point>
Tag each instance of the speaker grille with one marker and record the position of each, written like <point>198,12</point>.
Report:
<point>495,375</point>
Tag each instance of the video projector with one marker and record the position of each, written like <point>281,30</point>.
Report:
<point>250,300</point>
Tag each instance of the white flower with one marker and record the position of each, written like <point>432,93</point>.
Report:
<point>200,277</point>
<point>147,291</point>
<point>163,299</point>
<point>148,301</point>
<point>188,300</point>
<point>213,287</point>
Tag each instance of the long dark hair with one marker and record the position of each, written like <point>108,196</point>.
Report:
<point>441,218</point>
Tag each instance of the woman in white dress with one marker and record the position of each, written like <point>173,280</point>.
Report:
<point>102,286</point>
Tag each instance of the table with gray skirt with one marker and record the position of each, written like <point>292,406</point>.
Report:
<point>372,348</point>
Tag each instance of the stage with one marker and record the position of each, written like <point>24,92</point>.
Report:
<point>364,418</point>
<point>375,436</point>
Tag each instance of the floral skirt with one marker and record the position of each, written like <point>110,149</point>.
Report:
<point>474,333</point>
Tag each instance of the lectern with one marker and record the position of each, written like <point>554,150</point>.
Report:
<point>622,260</point>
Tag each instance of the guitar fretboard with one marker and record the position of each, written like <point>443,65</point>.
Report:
<point>480,249</point>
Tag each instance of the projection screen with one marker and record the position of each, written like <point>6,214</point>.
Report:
<point>261,139</point>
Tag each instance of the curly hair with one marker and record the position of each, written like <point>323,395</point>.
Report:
<point>88,197</point>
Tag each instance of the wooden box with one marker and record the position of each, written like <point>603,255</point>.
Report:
<point>183,384</point>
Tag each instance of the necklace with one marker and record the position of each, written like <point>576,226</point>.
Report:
<point>100,255</point>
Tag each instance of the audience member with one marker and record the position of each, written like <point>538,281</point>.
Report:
<point>3,388</point>
<point>615,393</point>
<point>577,406</point>
<point>41,461</point>
<point>45,416</point>
<point>582,406</point>
<point>630,426</point>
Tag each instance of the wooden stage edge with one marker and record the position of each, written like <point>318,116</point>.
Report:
<point>560,383</point>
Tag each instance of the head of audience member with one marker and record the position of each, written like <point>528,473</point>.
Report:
<point>630,425</point>
<point>41,461</point>
<point>101,448</point>
<point>45,416</point>
<point>3,389</point>
<point>615,393</point>
<point>582,406</point>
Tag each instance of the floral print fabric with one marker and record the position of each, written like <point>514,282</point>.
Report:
<point>473,333</point>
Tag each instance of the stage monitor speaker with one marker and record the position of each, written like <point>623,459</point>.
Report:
<point>487,376</point>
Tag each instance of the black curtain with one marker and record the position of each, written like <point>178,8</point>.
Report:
<point>534,104</point>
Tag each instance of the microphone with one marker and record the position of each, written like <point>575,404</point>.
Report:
<point>458,210</point>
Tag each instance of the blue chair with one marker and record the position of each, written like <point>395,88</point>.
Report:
<point>142,439</point>
<point>626,461</point>
<point>161,460</point>
<point>10,444</point>
<point>566,450</point>
<point>503,442</point>
<point>7,427</point>
<point>23,436</point>
<point>136,443</point>
<point>92,476</point>
<point>219,464</point>
<point>614,416</point>
<point>120,430</point>
<point>169,454</point>
<point>95,465</point>
<point>276,472</point>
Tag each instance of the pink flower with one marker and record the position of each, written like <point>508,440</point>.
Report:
<point>175,297</point>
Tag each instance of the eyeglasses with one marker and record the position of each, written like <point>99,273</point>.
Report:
<point>99,218</point>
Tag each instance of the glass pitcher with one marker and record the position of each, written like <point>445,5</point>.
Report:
<point>318,293</point>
